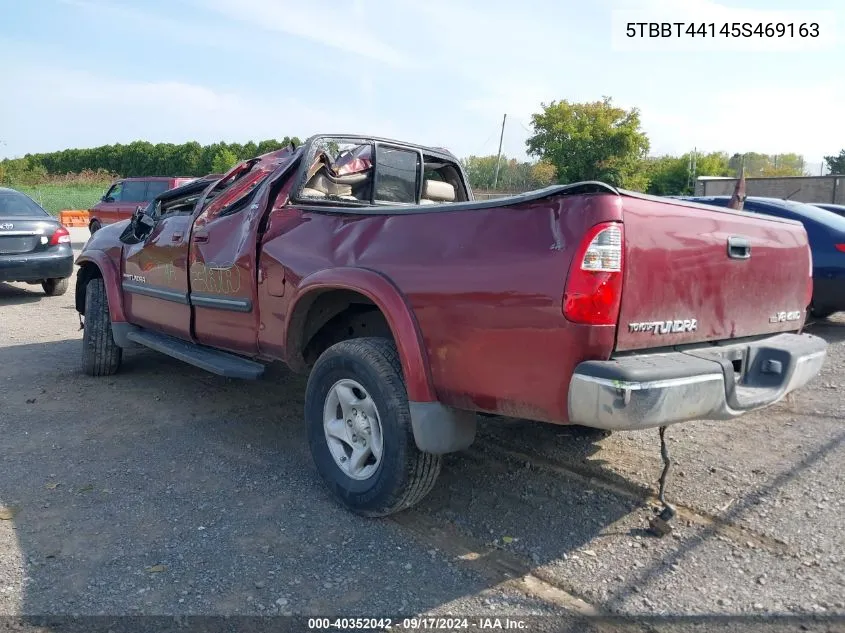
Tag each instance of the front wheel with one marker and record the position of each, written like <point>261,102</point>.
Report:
<point>55,287</point>
<point>100,354</point>
<point>359,429</point>
<point>94,226</point>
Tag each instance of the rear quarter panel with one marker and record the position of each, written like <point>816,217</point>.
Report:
<point>485,287</point>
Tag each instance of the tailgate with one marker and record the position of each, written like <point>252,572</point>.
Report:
<point>684,284</point>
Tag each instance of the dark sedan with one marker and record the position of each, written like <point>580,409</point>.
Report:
<point>838,209</point>
<point>826,234</point>
<point>34,247</point>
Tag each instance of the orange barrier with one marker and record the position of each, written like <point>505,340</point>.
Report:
<point>73,217</point>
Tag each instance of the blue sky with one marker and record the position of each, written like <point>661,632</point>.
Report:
<point>81,73</point>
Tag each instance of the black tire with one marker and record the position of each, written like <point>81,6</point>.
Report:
<point>55,287</point>
<point>100,354</point>
<point>820,314</point>
<point>94,226</point>
<point>405,474</point>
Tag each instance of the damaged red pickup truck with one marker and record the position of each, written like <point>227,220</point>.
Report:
<point>367,263</point>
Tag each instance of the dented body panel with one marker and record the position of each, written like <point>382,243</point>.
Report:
<point>681,286</point>
<point>484,289</point>
<point>471,292</point>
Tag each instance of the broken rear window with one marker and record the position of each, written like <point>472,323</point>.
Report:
<point>397,174</point>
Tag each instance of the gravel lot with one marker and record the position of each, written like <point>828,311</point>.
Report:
<point>165,490</point>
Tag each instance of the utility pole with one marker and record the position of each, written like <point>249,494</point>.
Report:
<point>692,169</point>
<point>499,156</point>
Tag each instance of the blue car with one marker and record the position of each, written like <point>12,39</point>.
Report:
<point>826,234</point>
<point>838,209</point>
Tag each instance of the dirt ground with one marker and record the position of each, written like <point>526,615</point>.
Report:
<point>165,490</point>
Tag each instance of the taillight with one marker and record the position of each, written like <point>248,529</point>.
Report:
<point>61,236</point>
<point>594,287</point>
<point>840,247</point>
<point>809,297</point>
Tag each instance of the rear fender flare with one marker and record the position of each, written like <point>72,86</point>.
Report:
<point>111,279</point>
<point>399,315</point>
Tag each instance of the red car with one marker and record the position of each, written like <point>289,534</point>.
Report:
<point>125,195</point>
<point>366,263</point>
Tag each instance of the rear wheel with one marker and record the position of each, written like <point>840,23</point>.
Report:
<point>359,429</point>
<point>94,226</point>
<point>100,354</point>
<point>820,314</point>
<point>55,287</point>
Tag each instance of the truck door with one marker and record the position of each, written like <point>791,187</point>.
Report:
<point>155,276</point>
<point>222,268</point>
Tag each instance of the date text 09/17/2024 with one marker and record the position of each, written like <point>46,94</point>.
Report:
<point>411,624</point>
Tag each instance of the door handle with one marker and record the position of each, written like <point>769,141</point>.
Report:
<point>200,236</point>
<point>739,248</point>
<point>176,237</point>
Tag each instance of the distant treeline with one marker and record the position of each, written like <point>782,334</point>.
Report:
<point>139,158</point>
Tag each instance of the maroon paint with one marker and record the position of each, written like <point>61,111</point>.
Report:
<point>102,253</point>
<point>676,267</point>
<point>485,288</point>
<point>474,298</point>
<point>223,258</point>
<point>163,262</point>
<point>381,291</point>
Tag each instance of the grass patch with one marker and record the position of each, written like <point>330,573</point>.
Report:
<point>55,197</point>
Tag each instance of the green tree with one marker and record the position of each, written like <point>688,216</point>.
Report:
<point>223,161</point>
<point>543,173</point>
<point>676,175</point>
<point>591,141</point>
<point>768,165</point>
<point>836,164</point>
<point>514,176</point>
<point>138,158</point>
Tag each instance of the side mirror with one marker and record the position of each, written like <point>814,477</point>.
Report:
<point>146,223</point>
<point>142,223</point>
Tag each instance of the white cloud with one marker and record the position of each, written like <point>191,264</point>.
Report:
<point>803,118</point>
<point>339,26</point>
<point>75,109</point>
<point>190,35</point>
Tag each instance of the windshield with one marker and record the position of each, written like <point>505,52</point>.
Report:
<point>14,204</point>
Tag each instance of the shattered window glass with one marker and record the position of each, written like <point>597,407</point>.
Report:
<point>396,177</point>
<point>340,171</point>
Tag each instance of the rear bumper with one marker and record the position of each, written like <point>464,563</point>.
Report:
<point>55,264</point>
<point>651,390</point>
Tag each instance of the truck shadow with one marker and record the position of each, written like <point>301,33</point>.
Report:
<point>831,329</point>
<point>164,489</point>
<point>167,490</point>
